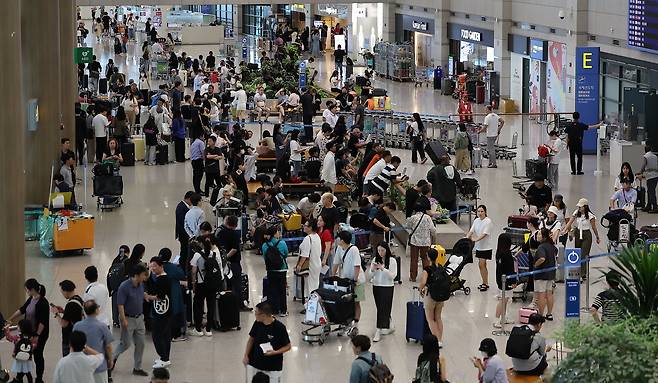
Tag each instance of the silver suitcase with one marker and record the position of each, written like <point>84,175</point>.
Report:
<point>476,161</point>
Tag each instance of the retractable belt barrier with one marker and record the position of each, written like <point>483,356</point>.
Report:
<point>542,271</point>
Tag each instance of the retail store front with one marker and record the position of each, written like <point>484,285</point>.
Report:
<point>333,15</point>
<point>419,32</point>
<point>471,48</point>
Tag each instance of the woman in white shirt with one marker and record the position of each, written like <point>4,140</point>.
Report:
<point>626,172</point>
<point>585,224</point>
<point>480,234</point>
<point>295,153</point>
<point>552,223</point>
<point>310,253</point>
<point>382,272</point>
<point>131,106</point>
<point>240,102</point>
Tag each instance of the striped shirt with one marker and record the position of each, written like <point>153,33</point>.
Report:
<point>610,306</point>
<point>383,180</point>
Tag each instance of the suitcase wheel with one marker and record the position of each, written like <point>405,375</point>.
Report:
<point>467,290</point>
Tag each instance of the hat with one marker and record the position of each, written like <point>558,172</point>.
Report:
<point>554,210</point>
<point>582,202</point>
<point>238,85</point>
<point>488,345</point>
<point>164,98</point>
<point>535,319</point>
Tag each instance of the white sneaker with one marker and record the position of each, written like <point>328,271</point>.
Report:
<point>165,364</point>
<point>497,325</point>
<point>388,331</point>
<point>470,172</point>
<point>194,332</point>
<point>158,364</point>
<point>207,333</point>
<point>378,336</point>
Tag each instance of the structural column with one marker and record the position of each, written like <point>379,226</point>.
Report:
<point>441,43</point>
<point>503,60</point>
<point>12,126</point>
<point>41,81</point>
<point>68,69</point>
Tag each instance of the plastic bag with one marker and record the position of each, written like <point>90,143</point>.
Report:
<point>46,225</point>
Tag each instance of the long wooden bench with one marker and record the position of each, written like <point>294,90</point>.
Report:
<point>297,188</point>
<point>513,377</point>
<point>265,164</point>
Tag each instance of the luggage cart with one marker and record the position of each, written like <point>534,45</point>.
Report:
<point>108,191</point>
<point>330,309</point>
<point>522,263</point>
<point>422,77</point>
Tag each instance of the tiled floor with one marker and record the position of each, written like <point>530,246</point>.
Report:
<point>151,194</point>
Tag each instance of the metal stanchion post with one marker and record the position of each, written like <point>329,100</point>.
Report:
<point>586,307</point>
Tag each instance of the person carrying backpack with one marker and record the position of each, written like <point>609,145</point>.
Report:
<point>431,365</point>
<point>207,278</point>
<point>367,367</point>
<point>115,276</point>
<point>24,344</point>
<point>527,347</point>
<point>435,287</point>
<point>275,252</point>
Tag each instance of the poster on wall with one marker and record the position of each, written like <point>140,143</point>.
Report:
<point>556,77</point>
<point>535,86</point>
<point>465,51</point>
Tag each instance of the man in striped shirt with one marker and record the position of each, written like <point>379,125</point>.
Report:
<point>389,175</point>
<point>607,302</point>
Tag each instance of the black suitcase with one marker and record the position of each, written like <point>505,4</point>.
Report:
<point>378,92</point>
<point>435,150</point>
<point>161,154</point>
<point>448,87</point>
<point>128,153</point>
<point>85,81</point>
<point>244,284</point>
<point>536,168</point>
<point>108,186</point>
<point>398,277</point>
<point>102,86</point>
<point>229,311</point>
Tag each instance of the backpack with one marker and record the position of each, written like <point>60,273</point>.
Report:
<point>149,126</point>
<point>379,372</point>
<point>461,141</point>
<point>273,259</point>
<point>424,372</point>
<point>77,300</point>
<point>519,343</point>
<point>212,274</point>
<point>23,349</point>
<point>439,284</point>
<point>115,277</point>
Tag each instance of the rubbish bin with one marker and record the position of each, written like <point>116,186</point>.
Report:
<point>31,214</point>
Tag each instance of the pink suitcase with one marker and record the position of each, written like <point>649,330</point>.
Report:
<point>524,314</point>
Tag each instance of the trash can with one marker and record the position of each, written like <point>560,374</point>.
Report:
<point>31,214</point>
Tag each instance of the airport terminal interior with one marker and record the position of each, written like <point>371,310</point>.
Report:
<point>134,124</point>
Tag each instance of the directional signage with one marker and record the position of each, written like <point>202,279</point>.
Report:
<point>83,55</point>
<point>572,259</point>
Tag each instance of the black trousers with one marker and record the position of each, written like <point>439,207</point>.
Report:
<point>416,149</point>
<point>212,179</point>
<point>576,151</point>
<point>37,355</point>
<point>202,295</point>
<point>236,280</point>
<point>307,119</point>
<point>276,293</point>
<point>184,244</point>
<point>179,149</point>
<point>384,302</point>
<point>161,335</point>
<point>101,145</point>
<point>80,149</point>
<point>651,194</point>
<point>197,174</point>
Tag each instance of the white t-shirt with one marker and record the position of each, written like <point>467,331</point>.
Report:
<point>200,263</point>
<point>77,367</point>
<point>293,99</point>
<point>583,223</point>
<point>556,148</point>
<point>483,226</point>
<point>375,170</point>
<point>555,226</point>
<point>329,168</point>
<point>311,247</point>
<point>491,121</point>
<point>260,99</point>
<point>352,260</point>
<point>100,124</point>
<point>330,118</point>
<point>99,293</point>
<point>294,154</point>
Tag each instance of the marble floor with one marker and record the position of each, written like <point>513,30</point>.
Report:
<point>151,194</point>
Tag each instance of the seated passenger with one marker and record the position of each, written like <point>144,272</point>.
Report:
<point>113,152</point>
<point>624,198</point>
<point>535,364</point>
<point>538,194</point>
<point>313,165</point>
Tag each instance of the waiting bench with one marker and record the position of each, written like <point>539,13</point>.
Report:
<point>301,188</point>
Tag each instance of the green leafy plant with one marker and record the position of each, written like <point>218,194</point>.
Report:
<point>636,271</point>
<point>624,351</point>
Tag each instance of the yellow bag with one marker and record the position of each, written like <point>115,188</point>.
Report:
<point>443,258</point>
<point>291,222</point>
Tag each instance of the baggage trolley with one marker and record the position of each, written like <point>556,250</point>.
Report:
<point>522,263</point>
<point>330,309</point>
<point>108,191</point>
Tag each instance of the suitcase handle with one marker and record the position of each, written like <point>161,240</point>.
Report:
<point>414,291</point>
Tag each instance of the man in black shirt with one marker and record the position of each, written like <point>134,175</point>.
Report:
<point>575,133</point>
<point>70,314</point>
<point>159,292</point>
<point>94,74</point>
<point>345,100</point>
<point>381,224</point>
<point>212,156</point>
<point>210,61</point>
<point>268,341</point>
<point>359,111</point>
<point>307,101</point>
<point>229,238</point>
<point>329,212</point>
<point>354,143</point>
<point>411,197</point>
<point>539,194</point>
<point>339,55</point>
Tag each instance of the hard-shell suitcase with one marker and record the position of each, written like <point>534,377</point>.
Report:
<point>140,148</point>
<point>229,310</point>
<point>416,326</point>
<point>524,314</point>
<point>244,284</point>
<point>102,86</point>
<point>161,154</point>
<point>559,273</point>
<point>641,197</point>
<point>299,282</point>
<point>128,154</point>
<point>266,288</point>
<point>518,221</point>
<point>477,158</point>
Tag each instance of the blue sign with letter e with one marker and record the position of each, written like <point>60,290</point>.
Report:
<point>572,258</point>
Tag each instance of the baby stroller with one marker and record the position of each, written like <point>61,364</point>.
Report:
<point>621,230</point>
<point>331,305</point>
<point>461,255</point>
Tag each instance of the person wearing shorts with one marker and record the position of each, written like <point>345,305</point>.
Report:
<point>480,234</point>
<point>433,308</point>
<point>545,260</point>
<point>347,264</point>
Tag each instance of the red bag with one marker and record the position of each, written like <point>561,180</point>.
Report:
<point>295,180</point>
<point>543,151</point>
<point>518,221</point>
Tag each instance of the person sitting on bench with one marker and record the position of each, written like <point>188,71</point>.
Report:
<point>536,364</point>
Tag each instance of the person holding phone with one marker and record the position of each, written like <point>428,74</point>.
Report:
<point>382,272</point>
<point>491,368</point>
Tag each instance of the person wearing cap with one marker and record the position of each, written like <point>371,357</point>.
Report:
<point>536,364</point>
<point>585,223</point>
<point>555,146</point>
<point>538,194</point>
<point>552,222</point>
<point>624,198</point>
<point>491,368</point>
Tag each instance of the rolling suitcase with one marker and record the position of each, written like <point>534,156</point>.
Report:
<point>244,284</point>
<point>524,314</point>
<point>435,150</point>
<point>650,231</point>
<point>641,197</point>
<point>140,148</point>
<point>477,158</point>
<point>559,273</point>
<point>161,154</point>
<point>416,323</point>
<point>228,310</point>
<point>266,288</point>
<point>102,86</point>
<point>398,277</point>
<point>518,221</point>
<point>128,154</point>
<point>298,287</point>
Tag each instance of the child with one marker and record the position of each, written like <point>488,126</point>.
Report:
<point>24,343</point>
<point>295,153</point>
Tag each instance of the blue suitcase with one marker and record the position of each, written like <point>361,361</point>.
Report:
<point>416,323</point>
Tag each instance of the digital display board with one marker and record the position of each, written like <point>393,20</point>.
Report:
<point>643,24</point>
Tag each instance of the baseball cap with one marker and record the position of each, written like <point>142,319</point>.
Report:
<point>582,202</point>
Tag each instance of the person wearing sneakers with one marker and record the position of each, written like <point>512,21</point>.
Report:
<point>160,294</point>
<point>382,273</point>
<point>493,124</point>
<point>348,259</point>
<point>545,259</point>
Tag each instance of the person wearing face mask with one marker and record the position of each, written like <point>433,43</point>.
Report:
<point>491,368</point>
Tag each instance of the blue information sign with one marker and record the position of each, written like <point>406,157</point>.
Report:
<point>572,283</point>
<point>244,51</point>
<point>302,75</point>
<point>587,93</point>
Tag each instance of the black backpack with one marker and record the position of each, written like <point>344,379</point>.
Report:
<point>212,275</point>
<point>23,349</point>
<point>115,277</point>
<point>439,284</point>
<point>519,343</point>
<point>273,259</point>
<point>379,372</point>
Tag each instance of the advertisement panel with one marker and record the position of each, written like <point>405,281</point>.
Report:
<point>535,86</point>
<point>556,77</point>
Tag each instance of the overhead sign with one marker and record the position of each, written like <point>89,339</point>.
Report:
<point>83,55</point>
<point>471,35</point>
<point>419,25</point>
<point>588,93</point>
<point>537,50</point>
<point>572,259</point>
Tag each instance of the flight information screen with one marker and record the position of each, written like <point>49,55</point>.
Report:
<point>643,24</point>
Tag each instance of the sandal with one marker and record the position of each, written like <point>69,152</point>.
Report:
<point>483,287</point>
<point>549,317</point>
